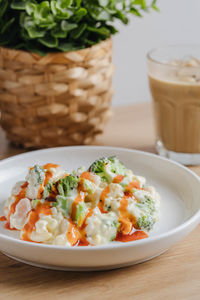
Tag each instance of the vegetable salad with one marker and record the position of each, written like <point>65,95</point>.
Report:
<point>105,203</point>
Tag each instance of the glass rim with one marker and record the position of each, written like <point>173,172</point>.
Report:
<point>166,64</point>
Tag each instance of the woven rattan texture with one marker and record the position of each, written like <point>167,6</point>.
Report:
<point>55,100</point>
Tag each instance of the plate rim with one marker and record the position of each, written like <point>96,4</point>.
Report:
<point>192,220</point>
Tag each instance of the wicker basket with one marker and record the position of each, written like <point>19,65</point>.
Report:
<point>56,100</point>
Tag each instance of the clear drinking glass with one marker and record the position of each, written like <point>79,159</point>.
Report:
<point>174,79</point>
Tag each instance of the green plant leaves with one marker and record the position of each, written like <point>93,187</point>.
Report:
<point>3,7</point>
<point>19,4</point>
<point>76,33</point>
<point>60,9</point>
<point>66,26</point>
<point>7,25</point>
<point>103,2</point>
<point>79,14</point>
<point>49,41</point>
<point>43,26</point>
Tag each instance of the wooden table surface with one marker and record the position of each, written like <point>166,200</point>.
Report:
<point>173,275</point>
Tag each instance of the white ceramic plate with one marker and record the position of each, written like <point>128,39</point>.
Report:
<point>180,209</point>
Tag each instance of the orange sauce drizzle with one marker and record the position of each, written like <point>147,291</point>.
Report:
<point>84,175</point>
<point>89,214</point>
<point>73,234</point>
<point>133,184</point>
<point>83,242</point>
<point>81,185</point>
<point>103,196</point>
<point>137,235</point>
<point>118,179</point>
<point>127,220</point>
<point>40,191</point>
<point>21,195</point>
<point>87,175</point>
<point>42,208</point>
<point>7,226</point>
<point>76,236</point>
<point>48,175</point>
<point>49,165</point>
<point>2,219</point>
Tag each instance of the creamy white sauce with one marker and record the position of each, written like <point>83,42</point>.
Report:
<point>100,227</point>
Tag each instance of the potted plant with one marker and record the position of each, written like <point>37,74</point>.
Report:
<point>55,67</point>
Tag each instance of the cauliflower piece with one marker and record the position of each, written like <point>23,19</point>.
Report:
<point>57,173</point>
<point>101,228</point>
<point>35,178</point>
<point>18,219</point>
<point>113,199</point>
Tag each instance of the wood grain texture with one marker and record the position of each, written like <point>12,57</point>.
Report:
<point>173,275</point>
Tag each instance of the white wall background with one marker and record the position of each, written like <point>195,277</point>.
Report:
<point>178,22</point>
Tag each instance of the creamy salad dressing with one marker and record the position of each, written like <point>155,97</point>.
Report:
<point>107,202</point>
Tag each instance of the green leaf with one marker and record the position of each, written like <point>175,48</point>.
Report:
<point>78,3</point>
<point>142,3</point>
<point>79,14</point>
<point>49,41</point>
<point>122,16</point>
<point>58,33</point>
<point>103,2</point>
<point>3,8</point>
<point>135,12</point>
<point>102,31</point>
<point>76,33</point>
<point>18,4</point>
<point>42,15</point>
<point>60,9</point>
<point>103,16</point>
<point>33,30</point>
<point>66,26</point>
<point>154,6</point>
<point>30,8</point>
<point>66,47</point>
<point>7,25</point>
<point>99,13</point>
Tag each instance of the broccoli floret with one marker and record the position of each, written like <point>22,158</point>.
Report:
<point>145,222</point>
<point>81,212</point>
<point>47,190</point>
<point>63,204</point>
<point>147,205</point>
<point>107,168</point>
<point>40,174</point>
<point>151,205</point>
<point>67,184</point>
<point>65,198</point>
<point>89,186</point>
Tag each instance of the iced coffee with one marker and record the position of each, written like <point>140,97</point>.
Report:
<point>175,89</point>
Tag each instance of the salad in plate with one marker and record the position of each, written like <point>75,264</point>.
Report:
<point>102,204</point>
